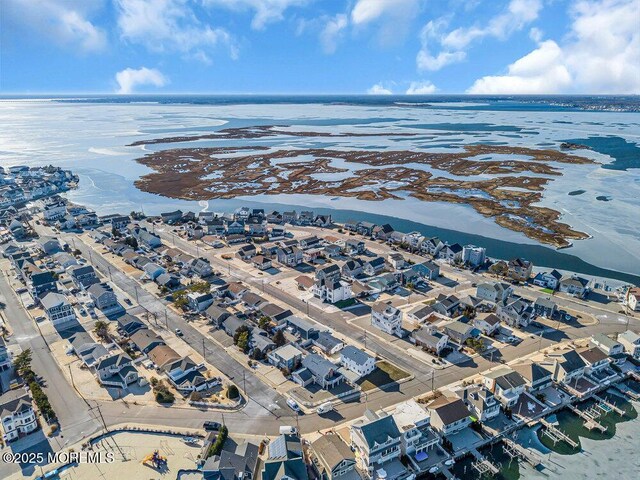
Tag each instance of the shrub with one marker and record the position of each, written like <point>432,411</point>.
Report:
<point>216,446</point>
<point>233,392</point>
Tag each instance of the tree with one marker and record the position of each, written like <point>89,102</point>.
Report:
<point>233,392</point>
<point>476,344</point>
<point>236,336</point>
<point>499,269</point>
<point>101,329</point>
<point>278,338</point>
<point>22,361</point>
<point>264,322</point>
<point>243,341</point>
<point>132,242</point>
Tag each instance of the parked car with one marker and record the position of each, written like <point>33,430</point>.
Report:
<point>179,332</point>
<point>293,405</point>
<point>128,302</point>
<point>211,426</point>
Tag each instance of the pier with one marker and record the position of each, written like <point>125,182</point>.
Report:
<point>482,465</point>
<point>609,405</point>
<point>590,417</point>
<point>556,434</point>
<point>515,450</point>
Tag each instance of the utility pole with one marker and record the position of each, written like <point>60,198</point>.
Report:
<point>166,320</point>
<point>204,352</point>
<point>244,382</point>
<point>432,379</point>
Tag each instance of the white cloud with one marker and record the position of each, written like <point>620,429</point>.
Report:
<point>170,25</point>
<point>601,54</point>
<point>129,78</point>
<point>421,88</point>
<point>266,11</point>
<point>65,23</point>
<point>366,11</point>
<point>332,31</point>
<point>452,44</point>
<point>379,89</point>
<point>536,34</point>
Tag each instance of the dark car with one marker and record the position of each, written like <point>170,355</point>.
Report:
<point>210,426</point>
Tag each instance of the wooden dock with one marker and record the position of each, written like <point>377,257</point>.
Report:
<point>621,387</point>
<point>610,405</point>
<point>589,416</point>
<point>556,434</point>
<point>515,450</point>
<point>482,465</point>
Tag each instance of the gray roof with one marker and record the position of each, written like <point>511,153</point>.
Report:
<point>285,447</point>
<point>379,429</point>
<point>14,401</point>
<point>332,450</point>
<point>355,354</point>
<point>449,410</point>
<point>327,341</point>
<point>318,366</point>
<point>53,299</point>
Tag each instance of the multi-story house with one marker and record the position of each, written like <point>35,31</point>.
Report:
<point>574,285</point>
<point>631,343</point>
<point>374,266</point>
<point>459,331</point>
<point>613,348</point>
<point>328,272</point>
<point>565,366</point>
<point>352,268</point>
<point>474,256</point>
<point>335,460</point>
<point>83,276</point>
<point>103,297</point>
<point>519,269</point>
<point>544,307</point>
<point>536,377</point>
<point>428,270</point>
<point>376,441</point>
<point>318,370</point>
<point>332,291</point>
<point>480,401</point>
<point>387,318</point>
<point>357,361</point>
<point>16,415</point>
<point>548,279</point>
<point>116,371</point>
<point>57,308</point>
<point>487,323</point>
<point>494,292</point>
<point>516,312</point>
<point>416,437</point>
<point>290,256</point>
<point>506,384</point>
<point>632,298</point>
<point>449,415</point>
<point>451,253</point>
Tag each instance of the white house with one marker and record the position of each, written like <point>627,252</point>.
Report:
<point>632,298</point>
<point>358,361</point>
<point>493,292</point>
<point>473,255</point>
<point>387,318</point>
<point>16,414</point>
<point>574,285</point>
<point>332,291</point>
<point>506,384</point>
<point>631,343</point>
<point>487,323</point>
<point>57,308</point>
<point>449,415</point>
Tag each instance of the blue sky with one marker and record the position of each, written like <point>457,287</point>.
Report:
<point>320,46</point>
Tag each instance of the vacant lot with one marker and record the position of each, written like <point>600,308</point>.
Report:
<point>385,374</point>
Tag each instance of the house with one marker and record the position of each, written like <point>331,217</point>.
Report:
<point>631,342</point>
<point>632,298</point>
<point>431,341</point>
<point>185,376</point>
<point>305,282</point>
<point>278,315</point>
<point>332,291</point>
<point>519,269</point>
<point>366,228</point>
<point>548,280</point>
<point>5,355</point>
<point>236,461</point>
<point>284,460</point>
<point>146,238</point>
<point>253,301</point>
<point>451,253</point>
<point>536,377</point>
<point>322,372</point>
<point>611,347</point>
<point>515,311</point>
<point>544,307</point>
<point>83,276</point>
<point>332,250</point>
<point>329,344</point>
<point>413,421</point>
<point>153,270</point>
<point>357,361</point>
<point>234,227</point>
<point>574,285</point>
<point>163,355</point>
<point>420,313</point>
<point>487,323</point>
<point>287,357</point>
<point>259,341</point>
<point>306,329</point>
<point>171,217</point>
<point>427,270</point>
<point>309,242</point>
<point>382,232</point>
<point>328,272</point>
<point>145,340</point>
<point>246,251</point>
<point>494,292</point>
<point>474,256</point>
<point>116,371</point>
<point>458,331</point>
<point>594,358</point>
<point>57,308</point>
<point>449,415</point>
<point>102,296</point>
<point>447,305</point>
<point>277,233</point>
<point>216,314</point>
<point>432,246</point>
<point>128,324</point>
<point>232,324</point>
<point>168,281</point>
<point>354,247</point>
<point>49,245</point>
<point>17,416</point>
<point>387,318</point>
<point>42,282</point>
<point>480,401</point>
<point>396,260</point>
<point>374,266</point>
<point>506,384</point>
<point>352,268</point>
<point>376,442</point>
<point>566,366</point>
<point>396,238</point>
<point>199,302</point>
<point>65,260</point>
<point>335,460</point>
<point>291,256</point>
<point>201,267</point>
<point>261,263</point>
<point>290,217</point>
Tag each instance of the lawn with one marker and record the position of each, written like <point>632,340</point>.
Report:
<point>385,374</point>
<point>547,290</point>
<point>345,303</point>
